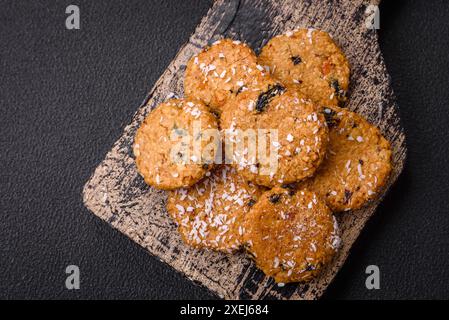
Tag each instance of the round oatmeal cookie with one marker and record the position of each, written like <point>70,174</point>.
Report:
<point>357,164</point>
<point>176,144</point>
<point>222,71</point>
<point>210,214</point>
<point>275,136</point>
<point>291,234</point>
<point>309,60</point>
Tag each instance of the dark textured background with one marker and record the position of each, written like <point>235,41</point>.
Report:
<point>66,96</point>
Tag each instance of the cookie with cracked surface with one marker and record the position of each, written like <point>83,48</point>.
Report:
<point>222,71</point>
<point>311,61</point>
<point>164,146</point>
<point>291,235</point>
<point>275,136</point>
<point>210,214</point>
<point>357,164</point>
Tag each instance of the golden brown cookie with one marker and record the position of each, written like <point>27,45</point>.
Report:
<point>222,71</point>
<point>357,164</point>
<point>175,145</point>
<point>295,134</point>
<point>310,61</point>
<point>291,234</point>
<point>210,214</point>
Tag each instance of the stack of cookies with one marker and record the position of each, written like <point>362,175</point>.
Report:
<point>261,152</point>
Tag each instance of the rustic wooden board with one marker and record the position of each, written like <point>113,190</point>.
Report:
<point>118,195</point>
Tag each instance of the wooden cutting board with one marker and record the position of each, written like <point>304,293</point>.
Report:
<point>117,194</point>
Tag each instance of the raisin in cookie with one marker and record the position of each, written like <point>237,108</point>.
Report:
<point>291,234</point>
<point>176,144</point>
<point>310,61</point>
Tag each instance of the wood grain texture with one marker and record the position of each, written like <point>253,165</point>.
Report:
<point>117,194</point>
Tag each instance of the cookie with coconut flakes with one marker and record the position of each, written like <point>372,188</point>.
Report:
<point>291,234</point>
<point>210,214</point>
<point>171,147</point>
<point>311,61</point>
<point>274,137</point>
<point>357,165</point>
<point>222,71</point>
